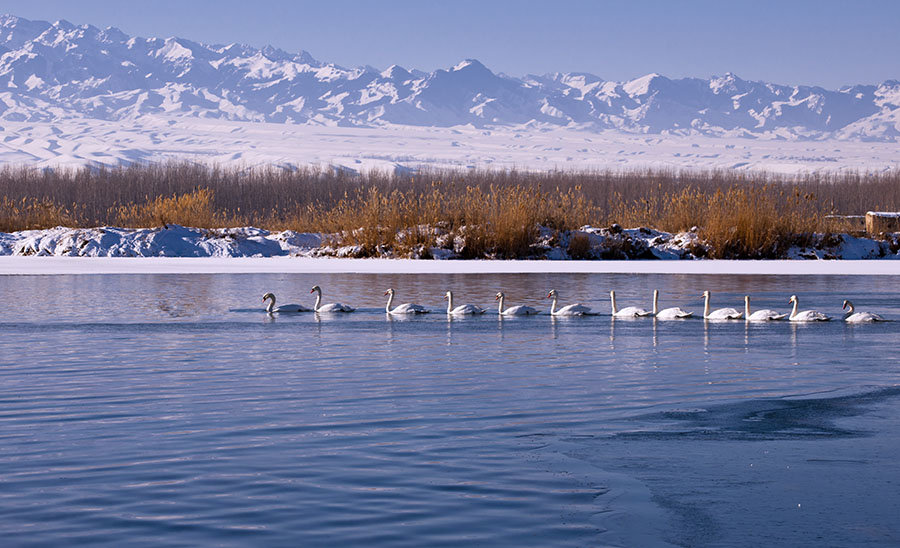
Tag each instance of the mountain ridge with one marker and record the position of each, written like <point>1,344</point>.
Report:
<point>53,71</point>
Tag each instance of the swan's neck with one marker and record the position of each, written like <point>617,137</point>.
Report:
<point>706,305</point>
<point>318,299</point>
<point>849,310</point>
<point>655,303</point>
<point>449,301</point>
<point>747,307</point>
<point>553,305</point>
<point>612,297</point>
<point>500,305</point>
<point>390,300</point>
<point>796,306</point>
<point>271,305</point>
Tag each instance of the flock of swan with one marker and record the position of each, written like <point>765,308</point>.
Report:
<point>579,309</point>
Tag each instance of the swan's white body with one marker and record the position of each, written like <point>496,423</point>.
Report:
<point>272,309</point>
<point>806,315</point>
<point>576,309</point>
<point>859,317</point>
<point>403,309</point>
<point>328,308</point>
<point>720,314</point>
<point>628,311</point>
<point>520,310</point>
<point>461,310</point>
<point>764,315</point>
<point>674,313</point>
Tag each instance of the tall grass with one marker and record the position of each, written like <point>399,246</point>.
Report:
<point>495,213</point>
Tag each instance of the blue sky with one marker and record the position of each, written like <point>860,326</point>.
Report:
<point>824,42</point>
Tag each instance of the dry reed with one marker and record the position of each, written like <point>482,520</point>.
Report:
<point>488,213</point>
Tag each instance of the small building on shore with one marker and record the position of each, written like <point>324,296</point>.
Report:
<point>882,221</point>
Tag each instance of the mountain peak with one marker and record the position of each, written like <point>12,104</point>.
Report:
<point>471,64</point>
<point>641,86</point>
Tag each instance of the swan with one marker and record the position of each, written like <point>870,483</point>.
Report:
<point>668,313</point>
<point>520,310</point>
<point>859,317</point>
<point>333,307</point>
<point>462,309</point>
<point>406,308</point>
<point>272,309</point>
<point>764,315</point>
<point>576,309</point>
<point>720,314</point>
<point>806,315</point>
<point>627,312</point>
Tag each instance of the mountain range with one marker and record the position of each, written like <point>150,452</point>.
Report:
<point>56,71</point>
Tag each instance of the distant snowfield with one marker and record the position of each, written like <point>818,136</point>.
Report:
<point>76,142</point>
<point>306,265</point>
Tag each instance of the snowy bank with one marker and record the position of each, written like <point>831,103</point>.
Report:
<point>588,243</point>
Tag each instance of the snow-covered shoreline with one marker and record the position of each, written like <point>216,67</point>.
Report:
<point>178,249</point>
<point>325,265</point>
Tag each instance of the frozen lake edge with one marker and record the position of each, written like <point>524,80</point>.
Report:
<point>18,265</point>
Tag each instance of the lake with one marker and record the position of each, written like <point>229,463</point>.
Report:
<point>170,410</point>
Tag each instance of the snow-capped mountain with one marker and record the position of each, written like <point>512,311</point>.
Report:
<point>54,71</point>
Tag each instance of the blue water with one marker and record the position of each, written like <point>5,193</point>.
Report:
<point>169,410</point>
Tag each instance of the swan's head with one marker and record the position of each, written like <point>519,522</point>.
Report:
<point>655,293</point>
<point>793,299</point>
<point>499,296</point>
<point>315,288</point>
<point>551,294</point>
<point>390,291</point>
<point>268,296</point>
<point>447,295</point>
<point>746,299</point>
<point>846,305</point>
<point>705,294</point>
<point>612,293</point>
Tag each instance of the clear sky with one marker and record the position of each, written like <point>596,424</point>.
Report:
<point>822,42</point>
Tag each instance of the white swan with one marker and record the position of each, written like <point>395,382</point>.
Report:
<point>272,309</point>
<point>520,310</point>
<point>720,314</point>
<point>333,307</point>
<point>576,309</point>
<point>627,312</point>
<point>461,310</point>
<point>406,308</point>
<point>764,315</point>
<point>859,317</point>
<point>674,313</point>
<point>806,315</point>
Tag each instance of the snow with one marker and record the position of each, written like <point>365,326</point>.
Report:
<point>78,141</point>
<point>290,265</point>
<point>171,241</point>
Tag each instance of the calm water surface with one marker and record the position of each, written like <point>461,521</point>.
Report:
<point>170,410</point>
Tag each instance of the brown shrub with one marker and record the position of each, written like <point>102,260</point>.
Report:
<point>580,247</point>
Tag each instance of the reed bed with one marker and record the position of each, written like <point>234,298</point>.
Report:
<point>495,213</point>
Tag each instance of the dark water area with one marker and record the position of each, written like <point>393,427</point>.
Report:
<point>170,410</point>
